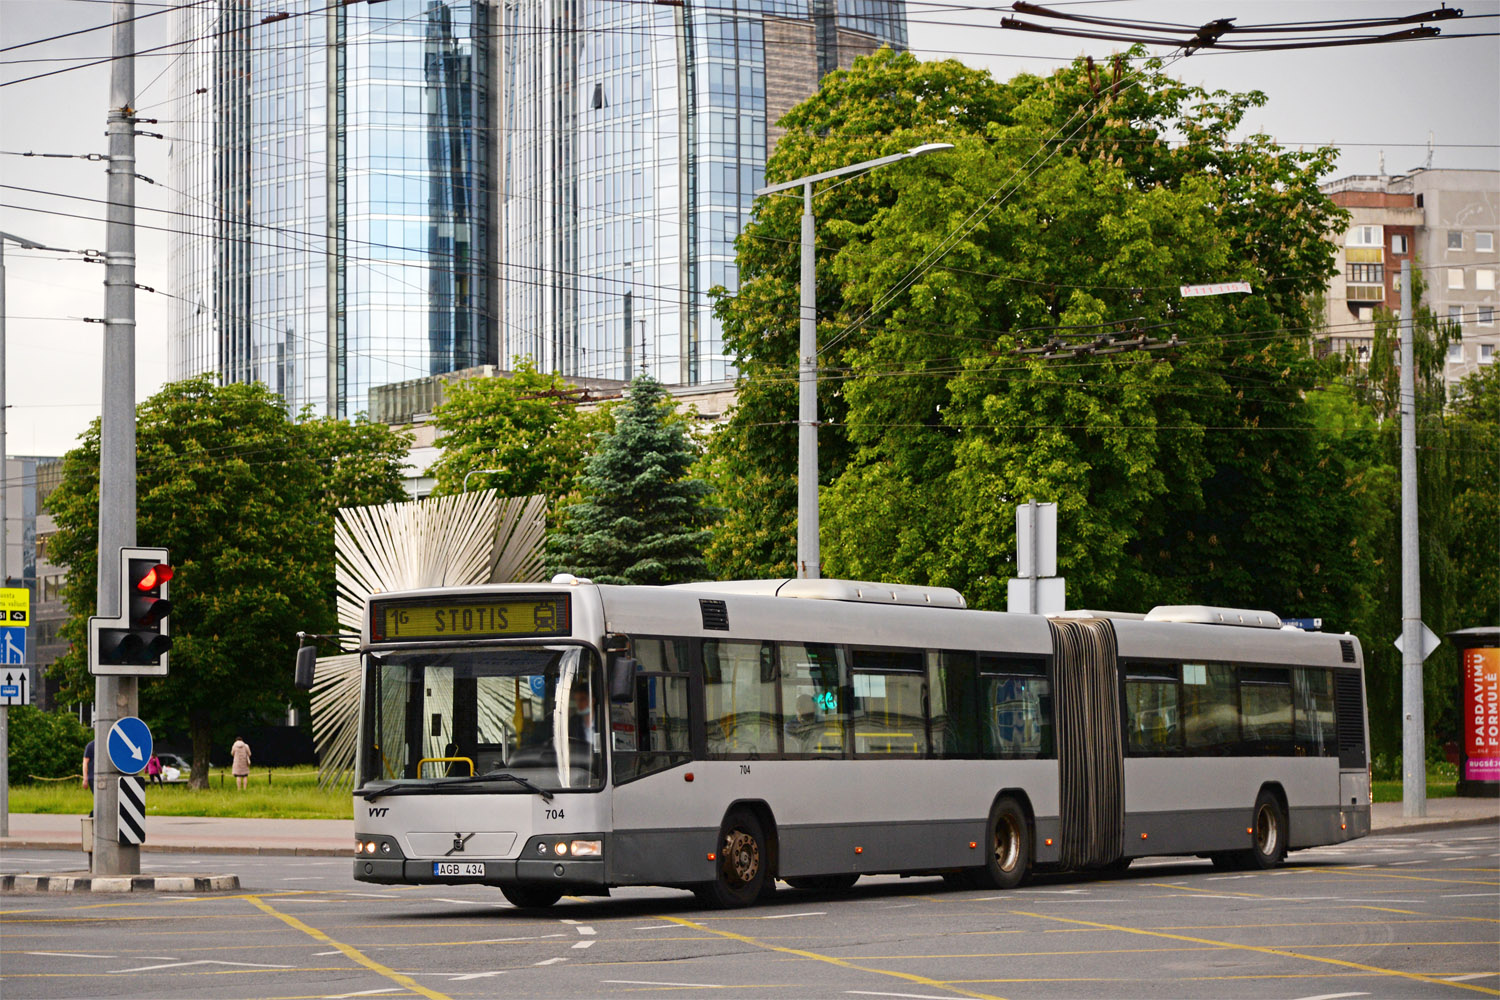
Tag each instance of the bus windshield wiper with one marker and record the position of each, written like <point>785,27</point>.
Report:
<point>370,795</point>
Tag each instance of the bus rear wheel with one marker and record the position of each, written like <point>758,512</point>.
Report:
<point>530,897</point>
<point>824,883</point>
<point>740,866</point>
<point>1269,828</point>
<point>1009,847</point>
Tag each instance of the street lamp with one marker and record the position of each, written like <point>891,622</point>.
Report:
<point>807,371</point>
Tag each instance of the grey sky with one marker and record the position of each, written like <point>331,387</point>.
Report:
<point>1364,99</point>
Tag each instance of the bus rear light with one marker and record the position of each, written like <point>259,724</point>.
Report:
<point>1343,826</point>
<point>1143,836</point>
<point>586,848</point>
<point>688,776</point>
<point>859,850</point>
<point>712,856</point>
<point>1049,841</point>
<point>1250,830</point>
<point>973,844</point>
<point>560,848</point>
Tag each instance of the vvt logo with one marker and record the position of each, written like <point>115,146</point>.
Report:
<point>379,810</point>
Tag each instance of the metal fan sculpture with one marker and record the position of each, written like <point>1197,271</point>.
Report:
<point>447,541</point>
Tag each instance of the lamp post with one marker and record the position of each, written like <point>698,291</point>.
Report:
<point>807,369</point>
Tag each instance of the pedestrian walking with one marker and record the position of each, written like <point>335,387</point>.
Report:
<point>88,773</point>
<point>153,769</point>
<point>241,768</point>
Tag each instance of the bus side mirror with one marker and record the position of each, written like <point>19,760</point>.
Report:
<point>621,678</point>
<point>307,665</point>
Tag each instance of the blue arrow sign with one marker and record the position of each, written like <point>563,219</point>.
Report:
<point>13,644</point>
<point>129,745</point>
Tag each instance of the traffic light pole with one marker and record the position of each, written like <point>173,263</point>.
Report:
<point>115,696</point>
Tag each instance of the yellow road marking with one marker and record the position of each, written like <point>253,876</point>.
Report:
<point>841,963</point>
<point>1358,872</point>
<point>352,953</point>
<point>1283,953</point>
<point>1212,892</point>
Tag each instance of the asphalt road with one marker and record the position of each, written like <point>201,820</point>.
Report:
<point>1393,916</point>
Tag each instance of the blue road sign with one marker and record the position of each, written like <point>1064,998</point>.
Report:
<point>129,745</point>
<point>13,644</point>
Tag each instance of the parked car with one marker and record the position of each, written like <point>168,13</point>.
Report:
<point>174,768</point>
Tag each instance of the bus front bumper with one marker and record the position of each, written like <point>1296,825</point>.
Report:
<point>576,875</point>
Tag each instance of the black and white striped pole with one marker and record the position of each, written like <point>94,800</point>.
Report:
<point>132,810</point>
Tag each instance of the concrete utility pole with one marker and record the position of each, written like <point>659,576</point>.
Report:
<point>1413,731</point>
<point>115,696</point>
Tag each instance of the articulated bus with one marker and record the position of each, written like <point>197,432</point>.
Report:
<point>567,738</point>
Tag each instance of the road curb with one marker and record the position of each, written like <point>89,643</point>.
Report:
<point>72,845</point>
<point>1430,825</point>
<point>119,883</point>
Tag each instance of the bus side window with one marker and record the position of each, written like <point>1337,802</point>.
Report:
<point>739,699</point>
<point>812,698</point>
<point>1152,711</point>
<point>1266,706</point>
<point>1015,696</point>
<point>955,723</point>
<point>890,690</point>
<point>651,733</point>
<point>1210,709</point>
<point>1312,691</point>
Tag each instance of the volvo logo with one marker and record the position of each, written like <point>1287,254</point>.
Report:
<point>459,840</point>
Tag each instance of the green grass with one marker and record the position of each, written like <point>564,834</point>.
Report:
<point>279,793</point>
<point>1442,783</point>
<point>293,793</point>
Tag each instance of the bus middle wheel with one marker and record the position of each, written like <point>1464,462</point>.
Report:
<point>1009,854</point>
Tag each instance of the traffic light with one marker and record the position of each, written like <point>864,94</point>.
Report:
<point>137,641</point>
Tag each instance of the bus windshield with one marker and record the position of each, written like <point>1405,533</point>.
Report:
<point>525,717</point>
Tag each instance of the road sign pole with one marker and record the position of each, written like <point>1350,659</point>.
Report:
<point>4,771</point>
<point>115,697</point>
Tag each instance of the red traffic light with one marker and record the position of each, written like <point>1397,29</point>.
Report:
<point>155,577</point>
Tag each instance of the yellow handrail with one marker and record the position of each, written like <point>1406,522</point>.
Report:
<point>445,760</point>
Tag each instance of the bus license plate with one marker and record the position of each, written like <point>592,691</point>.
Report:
<point>458,868</point>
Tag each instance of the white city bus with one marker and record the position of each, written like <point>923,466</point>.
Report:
<point>566,738</point>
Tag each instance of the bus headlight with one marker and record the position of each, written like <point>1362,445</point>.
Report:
<point>586,848</point>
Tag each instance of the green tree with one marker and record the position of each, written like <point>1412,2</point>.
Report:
<point>47,745</point>
<point>1474,542</point>
<point>642,517</point>
<point>244,498</point>
<point>1375,383</point>
<point>1061,214</point>
<point>521,425</point>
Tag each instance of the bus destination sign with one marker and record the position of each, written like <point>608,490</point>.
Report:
<point>495,618</point>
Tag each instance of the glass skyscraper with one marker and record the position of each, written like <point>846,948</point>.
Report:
<point>638,134</point>
<point>379,192</point>
<point>337,170</point>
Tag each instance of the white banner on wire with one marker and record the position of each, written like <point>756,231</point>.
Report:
<point>1218,288</point>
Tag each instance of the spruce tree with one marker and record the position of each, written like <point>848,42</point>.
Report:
<point>642,517</point>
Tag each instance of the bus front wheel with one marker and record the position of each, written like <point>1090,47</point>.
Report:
<point>530,897</point>
<point>1009,847</point>
<point>739,865</point>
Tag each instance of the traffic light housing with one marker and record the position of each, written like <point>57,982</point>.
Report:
<point>137,641</point>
